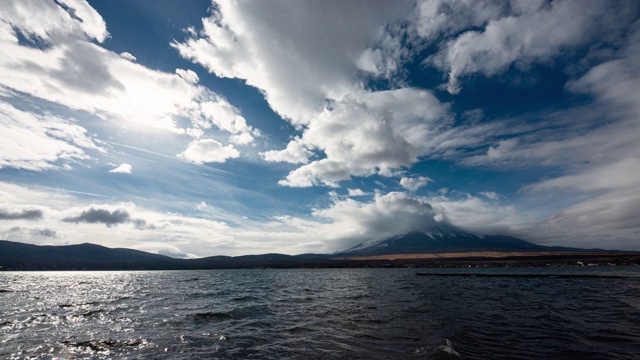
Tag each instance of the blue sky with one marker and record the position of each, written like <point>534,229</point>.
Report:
<point>201,128</point>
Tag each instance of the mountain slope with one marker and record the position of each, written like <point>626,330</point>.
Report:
<point>83,256</point>
<point>19,256</point>
<point>444,238</point>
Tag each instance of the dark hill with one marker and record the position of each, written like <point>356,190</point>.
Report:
<point>16,255</point>
<point>19,256</point>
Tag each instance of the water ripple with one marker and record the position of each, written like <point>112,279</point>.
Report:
<point>316,314</point>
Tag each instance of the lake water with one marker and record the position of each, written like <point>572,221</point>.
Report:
<point>318,314</point>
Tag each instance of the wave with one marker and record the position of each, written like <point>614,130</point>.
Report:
<point>107,345</point>
<point>237,313</point>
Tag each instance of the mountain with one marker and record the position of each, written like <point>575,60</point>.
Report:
<point>15,255</point>
<point>19,256</point>
<point>440,239</point>
<point>444,238</point>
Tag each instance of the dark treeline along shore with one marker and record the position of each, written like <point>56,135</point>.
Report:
<point>19,256</point>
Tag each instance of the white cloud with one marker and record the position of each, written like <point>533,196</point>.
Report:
<point>295,153</point>
<point>435,19</point>
<point>597,148</point>
<point>386,215</point>
<point>607,210</point>
<point>309,77</point>
<point>128,56</point>
<point>226,117</point>
<point>476,214</point>
<point>607,221</point>
<point>531,32</point>
<point>50,140</point>
<point>46,20</point>
<point>356,193</point>
<point>69,220</point>
<point>324,171</point>
<point>122,169</point>
<point>492,195</point>
<point>299,54</point>
<point>414,183</point>
<point>347,222</point>
<point>502,148</point>
<point>79,74</point>
<point>598,178</point>
<point>170,251</point>
<point>188,75</point>
<point>374,133</point>
<point>241,139</point>
<point>201,205</point>
<point>208,151</point>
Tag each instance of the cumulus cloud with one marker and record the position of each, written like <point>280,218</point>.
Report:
<point>295,153</point>
<point>356,192</point>
<point>122,169</point>
<point>244,138</point>
<point>299,57</point>
<point>44,20</point>
<point>414,183</point>
<point>351,221</point>
<point>24,214</point>
<point>188,75</point>
<point>375,133</point>
<point>75,72</point>
<point>208,151</point>
<point>531,32</point>
<point>437,19</point>
<point>308,77</point>
<point>347,222</point>
<point>313,63</point>
<point>336,114</point>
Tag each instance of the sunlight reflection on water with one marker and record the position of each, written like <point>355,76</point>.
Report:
<point>341,313</point>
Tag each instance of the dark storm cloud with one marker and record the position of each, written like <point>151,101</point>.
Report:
<point>103,216</point>
<point>107,216</point>
<point>32,214</point>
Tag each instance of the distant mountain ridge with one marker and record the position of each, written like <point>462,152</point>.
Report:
<point>437,239</point>
<point>445,238</point>
<point>20,256</point>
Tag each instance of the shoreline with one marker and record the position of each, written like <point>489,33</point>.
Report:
<point>481,259</point>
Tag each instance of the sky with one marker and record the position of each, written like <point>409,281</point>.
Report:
<point>204,128</point>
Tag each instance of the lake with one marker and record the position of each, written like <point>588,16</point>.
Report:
<point>319,314</point>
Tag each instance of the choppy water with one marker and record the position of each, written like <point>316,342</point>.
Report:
<point>317,314</point>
